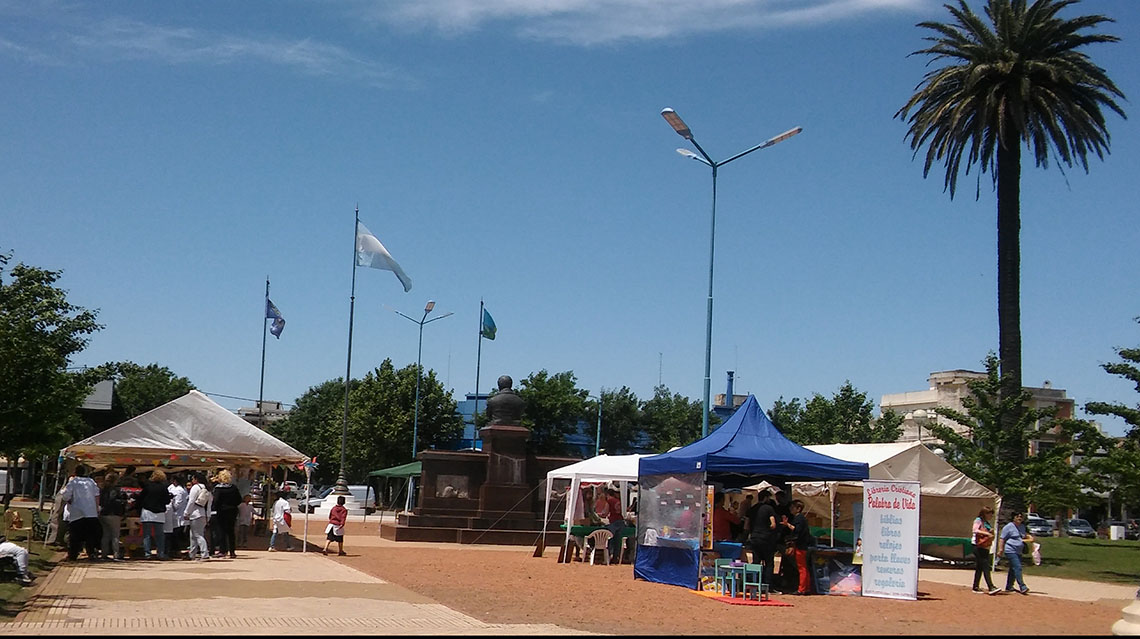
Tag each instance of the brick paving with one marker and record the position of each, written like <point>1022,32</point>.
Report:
<point>258,593</point>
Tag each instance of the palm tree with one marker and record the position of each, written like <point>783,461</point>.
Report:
<point>1020,79</point>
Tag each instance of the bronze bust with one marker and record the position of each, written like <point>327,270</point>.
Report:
<point>505,406</point>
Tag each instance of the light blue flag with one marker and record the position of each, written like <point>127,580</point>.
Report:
<point>488,329</point>
<point>370,252</point>
<point>272,313</point>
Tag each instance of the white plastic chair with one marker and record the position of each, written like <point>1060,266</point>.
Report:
<point>599,540</point>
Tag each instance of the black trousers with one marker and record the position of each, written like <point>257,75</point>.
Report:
<point>225,535</point>
<point>765,551</point>
<point>87,534</point>
<point>982,567</point>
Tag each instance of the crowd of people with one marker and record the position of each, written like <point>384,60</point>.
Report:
<point>765,526</point>
<point>187,515</point>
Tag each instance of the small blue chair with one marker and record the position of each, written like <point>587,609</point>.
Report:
<point>753,577</point>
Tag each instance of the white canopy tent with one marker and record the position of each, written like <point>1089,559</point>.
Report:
<point>191,431</point>
<point>950,499</point>
<point>620,469</point>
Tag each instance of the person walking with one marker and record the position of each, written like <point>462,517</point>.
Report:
<point>153,500</point>
<point>197,500</point>
<point>1011,543</point>
<point>81,496</point>
<point>983,540</point>
<point>112,507</point>
<point>227,498</point>
<point>282,518</point>
<point>337,518</point>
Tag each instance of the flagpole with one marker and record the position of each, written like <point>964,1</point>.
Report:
<point>341,481</point>
<point>261,389</point>
<point>478,361</point>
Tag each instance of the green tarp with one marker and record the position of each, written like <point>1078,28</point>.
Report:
<point>404,471</point>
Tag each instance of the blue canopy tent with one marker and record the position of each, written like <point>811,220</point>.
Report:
<point>745,448</point>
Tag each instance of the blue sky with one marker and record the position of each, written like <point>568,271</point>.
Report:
<point>169,156</point>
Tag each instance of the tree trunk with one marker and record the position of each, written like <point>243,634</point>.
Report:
<point>1009,295</point>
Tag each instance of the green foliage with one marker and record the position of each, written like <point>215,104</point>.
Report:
<point>1120,467</point>
<point>39,332</point>
<point>843,419</point>
<point>554,404</point>
<point>672,420</point>
<point>1048,479</point>
<point>1022,80</point>
<point>143,388</point>
<point>621,420</point>
<point>380,421</point>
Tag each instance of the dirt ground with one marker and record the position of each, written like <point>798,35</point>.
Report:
<point>499,586</point>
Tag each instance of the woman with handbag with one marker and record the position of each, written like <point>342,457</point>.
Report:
<point>983,539</point>
<point>800,539</point>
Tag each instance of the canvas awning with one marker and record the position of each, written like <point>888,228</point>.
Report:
<point>403,471</point>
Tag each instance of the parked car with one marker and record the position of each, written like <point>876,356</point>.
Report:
<point>1080,528</point>
<point>1103,528</point>
<point>314,502</point>
<point>289,487</point>
<point>1038,526</point>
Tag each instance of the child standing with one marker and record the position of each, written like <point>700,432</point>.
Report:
<point>337,517</point>
<point>245,520</point>
<point>281,520</point>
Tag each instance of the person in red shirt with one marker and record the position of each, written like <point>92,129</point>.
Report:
<point>337,517</point>
<point>723,519</point>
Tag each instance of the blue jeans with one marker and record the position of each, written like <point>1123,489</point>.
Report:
<point>273,539</point>
<point>1014,560</point>
<point>153,529</point>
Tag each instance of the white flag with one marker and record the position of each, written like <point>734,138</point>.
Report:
<point>370,252</point>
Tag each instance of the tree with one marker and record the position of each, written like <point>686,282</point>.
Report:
<point>380,421</point>
<point>844,419</point>
<point>554,404</point>
<point>1121,464</point>
<point>672,419</point>
<point>1022,81</point>
<point>142,388</point>
<point>1049,479</point>
<point>621,420</point>
<point>39,333</point>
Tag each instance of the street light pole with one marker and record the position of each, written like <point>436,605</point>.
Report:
<point>419,355</point>
<point>598,436</point>
<point>683,130</point>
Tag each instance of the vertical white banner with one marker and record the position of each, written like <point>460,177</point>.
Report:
<point>890,539</point>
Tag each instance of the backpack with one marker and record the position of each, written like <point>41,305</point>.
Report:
<point>203,497</point>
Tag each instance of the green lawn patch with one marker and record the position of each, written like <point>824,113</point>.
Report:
<point>1102,560</point>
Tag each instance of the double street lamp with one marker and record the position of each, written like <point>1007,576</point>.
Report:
<point>419,354</point>
<point>683,130</point>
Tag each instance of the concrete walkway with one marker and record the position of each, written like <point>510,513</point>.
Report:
<point>257,593</point>
<point>1069,589</point>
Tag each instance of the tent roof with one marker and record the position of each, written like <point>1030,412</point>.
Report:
<point>599,468</point>
<point>909,461</point>
<point>410,469</point>
<point>194,428</point>
<point>748,443</point>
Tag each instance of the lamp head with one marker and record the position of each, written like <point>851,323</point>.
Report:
<point>677,123</point>
<point>430,305</point>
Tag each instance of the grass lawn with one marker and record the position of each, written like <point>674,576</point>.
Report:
<point>1087,559</point>
<point>41,560</point>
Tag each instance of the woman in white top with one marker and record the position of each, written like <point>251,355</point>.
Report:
<point>197,504</point>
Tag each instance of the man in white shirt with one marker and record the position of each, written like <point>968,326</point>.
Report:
<point>81,494</point>
<point>281,517</point>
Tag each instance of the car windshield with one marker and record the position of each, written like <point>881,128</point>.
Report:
<point>1079,522</point>
<point>326,492</point>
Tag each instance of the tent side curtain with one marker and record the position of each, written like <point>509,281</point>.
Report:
<point>411,469</point>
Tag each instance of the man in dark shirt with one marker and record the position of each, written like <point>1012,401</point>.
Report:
<point>762,536</point>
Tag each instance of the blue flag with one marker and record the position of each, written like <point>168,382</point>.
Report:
<point>488,329</point>
<point>272,313</point>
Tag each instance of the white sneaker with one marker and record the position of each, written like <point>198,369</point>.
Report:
<point>272,549</point>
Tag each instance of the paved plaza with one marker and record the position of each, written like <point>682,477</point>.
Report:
<point>258,593</point>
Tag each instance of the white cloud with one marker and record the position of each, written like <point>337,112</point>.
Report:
<point>588,22</point>
<point>125,39</point>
